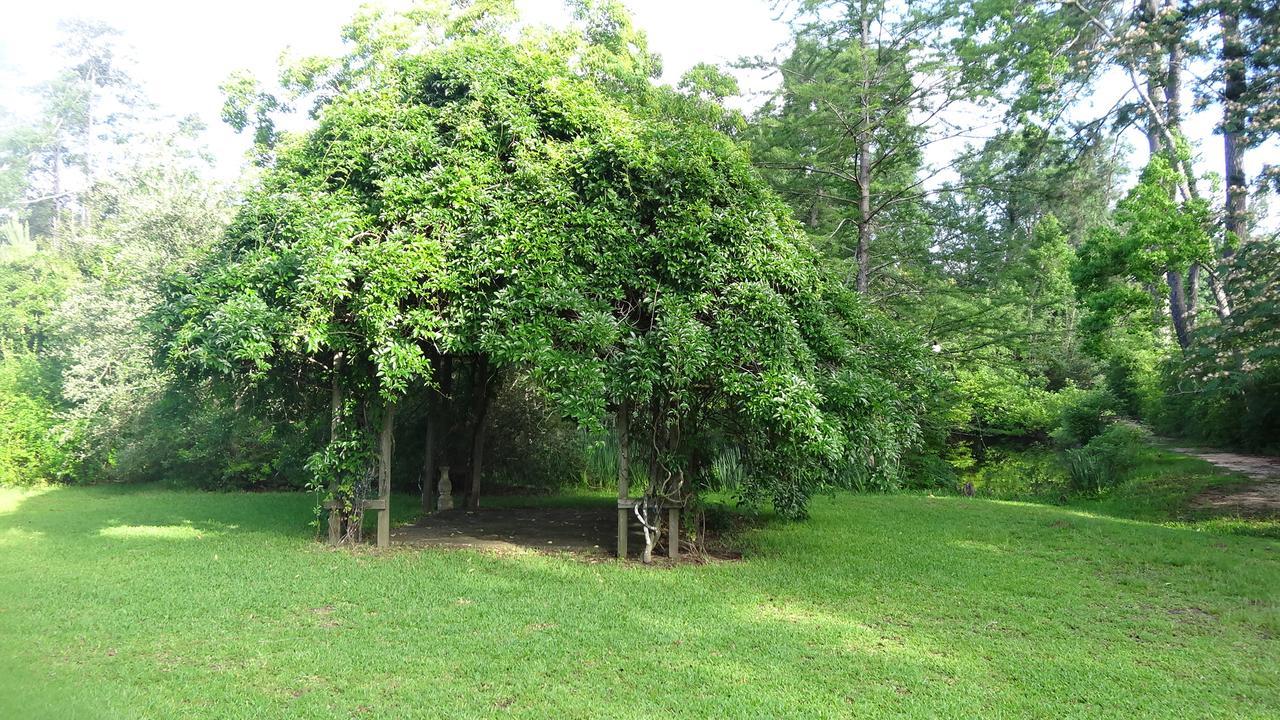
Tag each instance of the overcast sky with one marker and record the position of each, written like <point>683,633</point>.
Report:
<point>184,50</point>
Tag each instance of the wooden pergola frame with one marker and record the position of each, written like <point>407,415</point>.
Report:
<point>382,503</point>
<point>627,504</point>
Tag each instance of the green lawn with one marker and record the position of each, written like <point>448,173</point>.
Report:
<point>150,603</point>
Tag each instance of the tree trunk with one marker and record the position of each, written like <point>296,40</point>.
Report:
<point>1192,297</point>
<point>56,205</point>
<point>336,514</point>
<point>1178,308</point>
<point>863,256</point>
<point>429,456</point>
<point>1235,84</point>
<point>1161,73</point>
<point>480,408</point>
<point>335,397</point>
<point>1173,82</point>
<point>863,253</point>
<point>623,429</point>
<point>1173,119</point>
<point>1156,75</point>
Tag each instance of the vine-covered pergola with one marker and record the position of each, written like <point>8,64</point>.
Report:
<point>540,207</point>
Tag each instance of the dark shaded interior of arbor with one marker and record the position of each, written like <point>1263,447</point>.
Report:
<point>494,434</point>
<point>526,447</point>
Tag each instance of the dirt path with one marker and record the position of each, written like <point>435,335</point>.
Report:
<point>1261,497</point>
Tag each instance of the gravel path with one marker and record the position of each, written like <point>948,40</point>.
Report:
<point>1261,497</point>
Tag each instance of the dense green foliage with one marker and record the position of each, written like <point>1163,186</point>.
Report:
<point>29,451</point>
<point>1227,389</point>
<point>604,245</point>
<point>1105,458</point>
<point>536,258</point>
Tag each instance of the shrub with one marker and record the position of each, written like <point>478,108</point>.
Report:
<point>1232,408</point>
<point>1002,402</point>
<point>727,471</point>
<point>1133,379</point>
<point>1102,463</point>
<point>1084,416</point>
<point>1225,389</point>
<point>29,452</point>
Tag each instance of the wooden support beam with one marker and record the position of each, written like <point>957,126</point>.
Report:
<point>623,427</point>
<point>384,475</point>
<point>622,533</point>
<point>335,523</point>
<point>335,421</point>
<point>673,532</point>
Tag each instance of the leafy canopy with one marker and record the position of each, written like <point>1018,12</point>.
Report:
<point>533,203</point>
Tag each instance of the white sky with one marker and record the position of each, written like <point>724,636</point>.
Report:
<point>185,49</point>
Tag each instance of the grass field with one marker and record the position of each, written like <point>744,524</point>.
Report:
<point>152,603</point>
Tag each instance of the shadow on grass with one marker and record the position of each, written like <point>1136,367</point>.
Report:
<point>151,512</point>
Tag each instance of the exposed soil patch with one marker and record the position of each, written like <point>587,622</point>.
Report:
<point>581,531</point>
<point>590,533</point>
<point>1257,499</point>
<point>1190,615</point>
<point>1259,467</point>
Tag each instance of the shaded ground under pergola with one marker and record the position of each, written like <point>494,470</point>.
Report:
<point>588,531</point>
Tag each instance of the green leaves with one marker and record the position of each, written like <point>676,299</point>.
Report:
<point>540,205</point>
<point>1152,235</point>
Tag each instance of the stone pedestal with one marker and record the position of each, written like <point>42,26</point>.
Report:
<point>445,499</point>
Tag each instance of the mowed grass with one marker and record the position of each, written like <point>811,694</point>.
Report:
<point>150,603</point>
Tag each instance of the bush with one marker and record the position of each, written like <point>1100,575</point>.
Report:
<point>1002,402</point>
<point>1017,473</point>
<point>1102,463</point>
<point>1238,409</point>
<point>29,451</point>
<point>1083,416</point>
<point>1133,380</point>
<point>1225,389</point>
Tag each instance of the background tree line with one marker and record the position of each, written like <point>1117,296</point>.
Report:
<point>963,249</point>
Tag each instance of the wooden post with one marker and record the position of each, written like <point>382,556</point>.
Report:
<point>624,471</point>
<point>384,476</point>
<point>622,533</point>
<point>673,533</point>
<point>335,421</point>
